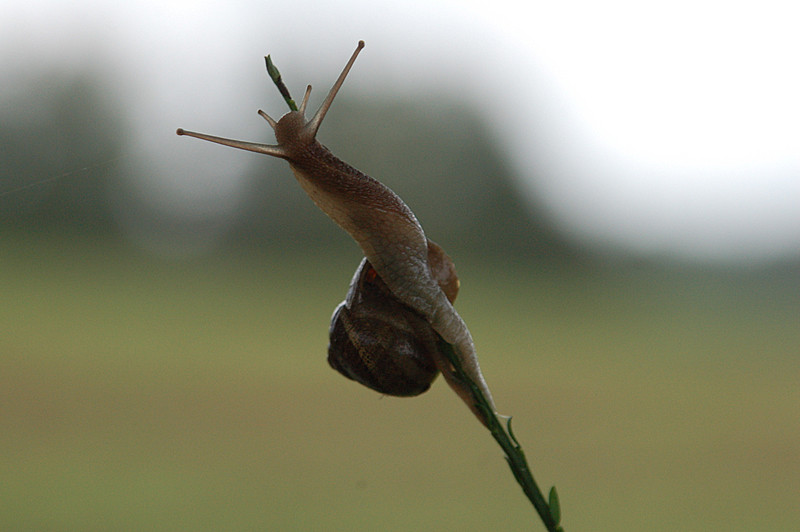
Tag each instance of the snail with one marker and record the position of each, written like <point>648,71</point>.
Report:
<point>400,300</point>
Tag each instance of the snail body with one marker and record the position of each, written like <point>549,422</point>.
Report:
<point>411,281</point>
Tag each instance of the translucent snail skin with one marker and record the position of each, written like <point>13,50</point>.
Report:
<point>384,334</point>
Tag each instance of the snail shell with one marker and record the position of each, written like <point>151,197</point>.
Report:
<point>384,344</point>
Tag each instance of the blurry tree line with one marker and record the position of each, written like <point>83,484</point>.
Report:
<point>51,128</point>
<point>440,159</point>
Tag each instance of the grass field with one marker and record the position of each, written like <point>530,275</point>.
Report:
<point>138,394</point>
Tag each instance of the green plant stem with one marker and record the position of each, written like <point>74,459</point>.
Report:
<point>276,78</point>
<point>549,514</point>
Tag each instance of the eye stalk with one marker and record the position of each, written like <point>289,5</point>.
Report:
<point>302,130</point>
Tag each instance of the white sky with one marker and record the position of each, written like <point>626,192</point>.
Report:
<point>670,128</point>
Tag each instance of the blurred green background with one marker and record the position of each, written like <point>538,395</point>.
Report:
<point>147,390</point>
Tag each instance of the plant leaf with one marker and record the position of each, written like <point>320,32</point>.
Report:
<point>555,505</point>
